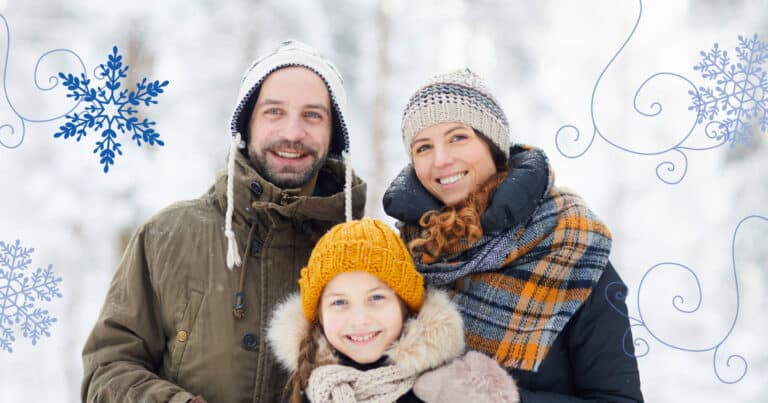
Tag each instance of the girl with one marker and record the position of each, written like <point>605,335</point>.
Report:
<point>527,262</point>
<point>364,330</point>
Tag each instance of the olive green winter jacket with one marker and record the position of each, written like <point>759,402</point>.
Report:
<point>167,331</point>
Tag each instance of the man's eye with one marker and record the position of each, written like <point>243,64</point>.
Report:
<point>272,111</point>
<point>313,115</point>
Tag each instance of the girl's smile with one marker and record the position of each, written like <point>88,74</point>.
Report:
<point>361,316</point>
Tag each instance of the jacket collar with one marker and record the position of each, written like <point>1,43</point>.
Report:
<point>429,339</point>
<point>252,192</point>
<point>512,202</point>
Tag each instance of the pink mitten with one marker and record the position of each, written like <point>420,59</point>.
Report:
<point>472,378</point>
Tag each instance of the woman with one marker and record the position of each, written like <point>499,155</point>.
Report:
<point>526,261</point>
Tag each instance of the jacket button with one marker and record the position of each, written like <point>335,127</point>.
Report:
<point>256,189</point>
<point>250,342</point>
<point>181,336</point>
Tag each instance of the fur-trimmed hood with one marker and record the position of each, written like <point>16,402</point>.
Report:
<point>431,338</point>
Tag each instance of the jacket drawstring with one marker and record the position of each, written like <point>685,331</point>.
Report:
<point>238,309</point>
<point>233,260</point>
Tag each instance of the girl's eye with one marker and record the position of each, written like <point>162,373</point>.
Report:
<point>377,297</point>
<point>338,302</point>
<point>458,137</point>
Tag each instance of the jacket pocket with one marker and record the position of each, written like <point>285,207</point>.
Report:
<point>184,327</point>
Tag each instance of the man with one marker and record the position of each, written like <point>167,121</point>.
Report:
<point>186,312</point>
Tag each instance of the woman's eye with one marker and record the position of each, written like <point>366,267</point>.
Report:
<point>313,115</point>
<point>458,137</point>
<point>272,111</point>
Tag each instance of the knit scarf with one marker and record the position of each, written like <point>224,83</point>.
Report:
<point>517,288</point>
<point>343,384</point>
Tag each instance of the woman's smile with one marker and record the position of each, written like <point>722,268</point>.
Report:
<point>451,161</point>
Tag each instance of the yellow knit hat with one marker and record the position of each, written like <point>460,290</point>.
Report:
<point>366,245</point>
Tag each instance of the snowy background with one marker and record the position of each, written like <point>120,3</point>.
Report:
<point>541,58</point>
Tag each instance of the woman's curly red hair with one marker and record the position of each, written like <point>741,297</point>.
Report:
<point>451,227</point>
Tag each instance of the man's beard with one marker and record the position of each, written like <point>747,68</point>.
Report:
<point>285,177</point>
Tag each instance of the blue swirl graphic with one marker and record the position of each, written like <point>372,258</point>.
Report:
<point>674,167</point>
<point>8,132</point>
<point>679,302</point>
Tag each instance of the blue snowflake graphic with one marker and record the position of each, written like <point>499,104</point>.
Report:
<point>18,293</point>
<point>741,90</point>
<point>110,109</point>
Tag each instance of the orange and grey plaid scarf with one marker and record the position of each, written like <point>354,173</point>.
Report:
<point>517,289</point>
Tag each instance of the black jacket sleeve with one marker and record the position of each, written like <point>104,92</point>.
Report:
<point>601,360</point>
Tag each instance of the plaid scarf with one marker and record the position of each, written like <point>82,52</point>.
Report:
<point>517,288</point>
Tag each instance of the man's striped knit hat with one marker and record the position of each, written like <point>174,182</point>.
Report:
<point>458,96</point>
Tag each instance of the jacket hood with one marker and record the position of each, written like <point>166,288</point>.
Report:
<point>513,200</point>
<point>429,339</point>
<point>252,191</point>
<point>287,54</point>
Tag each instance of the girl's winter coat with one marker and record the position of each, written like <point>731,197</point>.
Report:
<point>430,339</point>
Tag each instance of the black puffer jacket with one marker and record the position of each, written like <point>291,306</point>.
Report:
<point>591,360</point>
